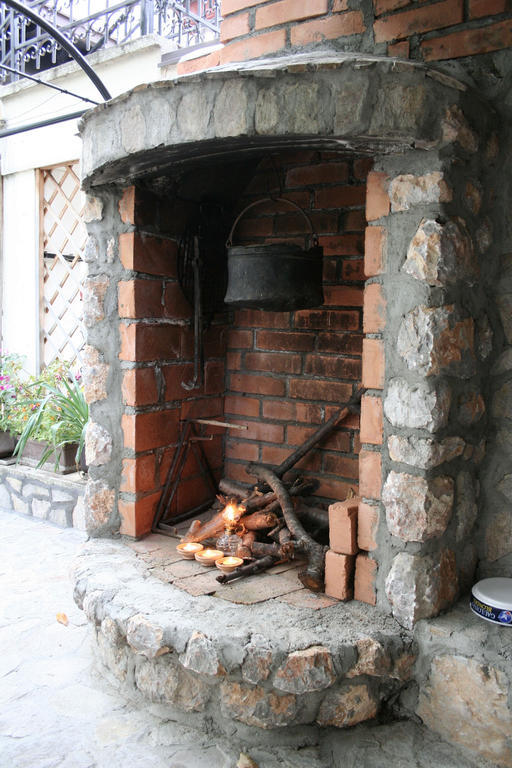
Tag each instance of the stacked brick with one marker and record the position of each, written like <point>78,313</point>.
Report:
<point>431,30</point>
<point>287,372</point>
<point>349,570</point>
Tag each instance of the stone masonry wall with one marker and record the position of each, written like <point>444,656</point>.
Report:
<point>43,495</point>
<point>431,227</point>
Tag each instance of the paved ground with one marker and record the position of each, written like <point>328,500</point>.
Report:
<point>57,711</point>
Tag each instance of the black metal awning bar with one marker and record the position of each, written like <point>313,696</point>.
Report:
<point>40,124</point>
<point>48,85</point>
<point>68,46</point>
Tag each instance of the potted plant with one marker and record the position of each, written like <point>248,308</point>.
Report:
<point>10,368</point>
<point>56,419</point>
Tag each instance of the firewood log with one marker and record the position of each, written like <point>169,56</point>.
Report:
<point>285,551</point>
<point>245,547</point>
<point>312,577</point>
<point>206,530</point>
<point>259,521</point>
<point>248,570</point>
<point>314,516</point>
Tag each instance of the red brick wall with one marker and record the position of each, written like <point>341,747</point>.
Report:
<point>287,372</point>
<point>156,355</point>
<point>426,30</point>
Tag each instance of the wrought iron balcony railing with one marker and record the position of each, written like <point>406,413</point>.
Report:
<point>95,24</point>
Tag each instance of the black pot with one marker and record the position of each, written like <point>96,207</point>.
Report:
<point>277,278</point>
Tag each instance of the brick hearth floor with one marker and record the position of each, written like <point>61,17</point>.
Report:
<point>57,710</point>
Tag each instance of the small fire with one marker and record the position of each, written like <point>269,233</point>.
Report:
<point>231,513</point>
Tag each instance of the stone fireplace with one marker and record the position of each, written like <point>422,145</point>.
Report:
<point>393,188</point>
<point>390,161</point>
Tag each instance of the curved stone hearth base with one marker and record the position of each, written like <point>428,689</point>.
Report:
<point>239,668</point>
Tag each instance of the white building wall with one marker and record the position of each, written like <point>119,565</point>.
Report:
<point>23,102</point>
<point>20,290</point>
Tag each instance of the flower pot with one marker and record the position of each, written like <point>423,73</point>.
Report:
<point>7,444</point>
<point>34,450</point>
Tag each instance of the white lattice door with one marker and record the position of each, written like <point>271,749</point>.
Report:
<point>63,236</point>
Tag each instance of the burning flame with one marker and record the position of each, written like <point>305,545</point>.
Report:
<point>231,513</point>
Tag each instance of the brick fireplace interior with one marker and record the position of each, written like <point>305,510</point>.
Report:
<point>278,374</point>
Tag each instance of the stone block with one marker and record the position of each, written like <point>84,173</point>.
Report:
<point>471,408</point>
<point>498,537</point>
<point>40,508</point>
<point>347,706</point>
<point>93,209</point>
<point>364,580</point>
<point>30,489</point>
<point>484,236</point>
<point>501,406</point>
<point>466,508</point>
<point>350,101</point>
<point>302,112</point>
<point>372,659</point>
<point>256,706</point>
<point>95,382</point>
<point>367,525</point>
<point>442,254</point>
<point>466,702</point>
<point>133,129</point>
<point>145,637</point>
<point>473,197</point>
<point>339,571</point>
<point>99,504</point>
<point>399,110</point>
<point>92,250</point>
<point>98,445</point>
<point>424,452</point>
<point>408,190</point>
<point>60,516</point>
<point>113,657</point>
<point>257,663</point>
<point>5,498</point>
<point>343,527</point>
<point>455,128</point>
<point>230,111</point>
<point>19,505</point>
<point>59,495</point>
<point>201,656</point>
<point>94,291</point>
<point>193,115</point>
<point>417,508</point>
<point>164,680</point>
<point>434,340</point>
<point>418,587</point>
<point>110,630</point>
<point>303,671</point>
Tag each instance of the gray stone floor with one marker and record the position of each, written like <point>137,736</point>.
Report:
<point>58,711</point>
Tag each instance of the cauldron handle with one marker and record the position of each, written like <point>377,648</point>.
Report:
<point>314,236</point>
